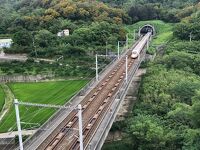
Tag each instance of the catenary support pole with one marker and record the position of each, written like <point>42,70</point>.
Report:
<point>126,69</point>
<point>127,40</point>
<point>190,36</point>
<point>80,126</point>
<point>118,50</point>
<point>134,36</point>
<point>139,32</point>
<point>97,77</point>
<point>106,49</point>
<point>18,124</point>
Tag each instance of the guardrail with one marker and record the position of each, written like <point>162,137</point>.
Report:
<point>100,136</point>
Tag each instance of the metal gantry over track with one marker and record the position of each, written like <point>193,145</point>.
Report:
<point>17,103</point>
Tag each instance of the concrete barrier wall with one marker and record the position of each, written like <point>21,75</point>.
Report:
<point>100,135</point>
<point>5,141</point>
<point>24,78</point>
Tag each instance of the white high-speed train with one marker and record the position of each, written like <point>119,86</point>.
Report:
<point>136,51</point>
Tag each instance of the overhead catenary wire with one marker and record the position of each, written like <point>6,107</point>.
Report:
<point>86,78</point>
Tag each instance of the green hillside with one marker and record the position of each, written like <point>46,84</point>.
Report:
<point>166,113</point>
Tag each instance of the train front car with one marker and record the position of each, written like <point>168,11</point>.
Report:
<point>134,54</point>
<point>136,51</point>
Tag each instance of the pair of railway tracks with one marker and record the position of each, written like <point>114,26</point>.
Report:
<point>94,106</point>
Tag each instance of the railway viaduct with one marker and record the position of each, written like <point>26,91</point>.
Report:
<point>100,101</point>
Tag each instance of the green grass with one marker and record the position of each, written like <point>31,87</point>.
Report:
<point>2,98</point>
<point>58,92</point>
<point>163,31</point>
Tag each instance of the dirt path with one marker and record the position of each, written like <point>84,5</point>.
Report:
<point>9,97</point>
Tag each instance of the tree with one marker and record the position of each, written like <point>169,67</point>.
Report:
<point>22,38</point>
<point>147,133</point>
<point>44,38</point>
<point>143,12</point>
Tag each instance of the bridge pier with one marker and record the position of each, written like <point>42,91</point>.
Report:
<point>131,96</point>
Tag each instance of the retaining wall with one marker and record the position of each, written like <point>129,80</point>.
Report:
<point>24,78</point>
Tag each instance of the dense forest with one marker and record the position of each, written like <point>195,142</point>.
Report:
<point>33,25</point>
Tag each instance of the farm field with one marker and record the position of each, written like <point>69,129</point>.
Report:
<point>55,92</point>
<point>2,98</point>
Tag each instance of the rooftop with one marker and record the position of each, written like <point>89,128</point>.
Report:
<point>5,40</point>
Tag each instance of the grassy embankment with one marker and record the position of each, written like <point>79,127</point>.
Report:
<point>163,35</point>
<point>163,32</point>
<point>58,92</point>
<point>2,98</point>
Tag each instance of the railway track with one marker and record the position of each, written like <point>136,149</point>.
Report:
<point>94,106</point>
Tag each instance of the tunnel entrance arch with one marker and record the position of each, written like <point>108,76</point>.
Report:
<point>147,28</point>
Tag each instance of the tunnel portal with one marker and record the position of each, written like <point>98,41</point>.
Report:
<point>147,28</point>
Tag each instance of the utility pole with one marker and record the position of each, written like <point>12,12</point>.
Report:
<point>134,36</point>
<point>97,78</point>
<point>118,49</point>
<point>80,126</point>
<point>190,36</point>
<point>106,49</point>
<point>126,69</point>
<point>18,124</point>
<point>139,32</point>
<point>127,40</point>
<point>34,46</point>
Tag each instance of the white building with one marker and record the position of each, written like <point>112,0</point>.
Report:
<point>5,43</point>
<point>63,33</point>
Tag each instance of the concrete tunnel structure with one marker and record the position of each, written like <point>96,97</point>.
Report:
<point>146,28</point>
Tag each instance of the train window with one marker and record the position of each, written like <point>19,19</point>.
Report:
<point>134,52</point>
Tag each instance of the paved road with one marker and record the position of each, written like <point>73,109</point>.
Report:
<point>10,57</point>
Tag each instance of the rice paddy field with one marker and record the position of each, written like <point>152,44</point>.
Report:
<point>55,92</point>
